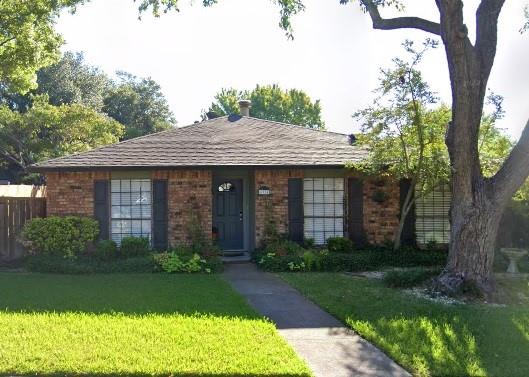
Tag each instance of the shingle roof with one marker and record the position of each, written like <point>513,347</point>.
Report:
<point>222,141</point>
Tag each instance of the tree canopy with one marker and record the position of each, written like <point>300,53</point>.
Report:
<point>138,104</point>
<point>28,41</point>
<point>71,80</point>
<point>270,102</point>
<point>46,131</point>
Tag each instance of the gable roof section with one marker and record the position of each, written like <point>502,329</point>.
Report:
<point>245,141</point>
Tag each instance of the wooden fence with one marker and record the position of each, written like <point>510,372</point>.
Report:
<point>15,211</point>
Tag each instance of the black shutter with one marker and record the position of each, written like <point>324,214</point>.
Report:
<point>407,237</point>
<point>101,208</point>
<point>295,209</point>
<point>355,192</point>
<point>159,214</point>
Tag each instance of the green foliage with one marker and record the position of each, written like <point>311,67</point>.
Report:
<point>134,246</point>
<point>287,256</point>
<point>28,41</point>
<point>272,103</point>
<point>138,104</point>
<point>88,265</point>
<point>408,278</point>
<point>172,262</point>
<point>60,236</point>
<point>47,131</point>
<point>340,245</point>
<point>270,232</point>
<point>106,250</point>
<point>72,80</point>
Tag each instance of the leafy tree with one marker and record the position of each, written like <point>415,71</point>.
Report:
<point>406,134</point>
<point>28,41</point>
<point>272,103</point>
<point>71,80</point>
<point>46,131</point>
<point>139,105</point>
<point>478,201</point>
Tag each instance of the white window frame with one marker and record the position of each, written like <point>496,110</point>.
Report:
<point>130,208</point>
<point>324,208</point>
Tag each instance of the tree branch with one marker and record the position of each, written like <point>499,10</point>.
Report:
<point>399,22</point>
<point>514,170</point>
<point>487,16</point>
<point>7,41</point>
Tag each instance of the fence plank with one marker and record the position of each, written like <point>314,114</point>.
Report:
<point>14,213</point>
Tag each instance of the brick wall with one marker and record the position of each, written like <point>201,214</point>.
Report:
<point>277,181</point>
<point>189,191</point>
<point>381,219</point>
<point>71,193</point>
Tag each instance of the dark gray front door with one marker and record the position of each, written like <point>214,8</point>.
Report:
<point>228,216</point>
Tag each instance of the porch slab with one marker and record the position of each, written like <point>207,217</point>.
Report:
<point>328,346</point>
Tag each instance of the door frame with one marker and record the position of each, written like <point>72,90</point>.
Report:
<point>247,211</point>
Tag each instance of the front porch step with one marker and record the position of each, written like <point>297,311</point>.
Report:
<point>235,257</point>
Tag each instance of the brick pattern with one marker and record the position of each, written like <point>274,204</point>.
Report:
<point>189,192</point>
<point>381,219</point>
<point>277,182</point>
<point>71,193</point>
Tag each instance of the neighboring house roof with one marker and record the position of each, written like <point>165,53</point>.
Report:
<point>223,141</point>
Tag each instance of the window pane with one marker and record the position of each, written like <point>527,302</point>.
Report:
<point>145,186</point>
<point>136,226</point>
<point>318,183</point>
<point>146,227</point>
<point>125,185</point>
<point>308,196</point>
<point>308,184</point>
<point>328,184</point>
<point>115,185</point>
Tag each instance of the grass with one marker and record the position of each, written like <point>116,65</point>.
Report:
<point>135,324</point>
<point>427,338</point>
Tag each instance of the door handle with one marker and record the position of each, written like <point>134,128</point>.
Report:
<point>240,215</point>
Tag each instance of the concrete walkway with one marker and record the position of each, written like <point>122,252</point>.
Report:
<point>328,347</point>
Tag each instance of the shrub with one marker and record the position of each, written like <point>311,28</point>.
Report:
<point>282,248</point>
<point>64,236</point>
<point>183,262</point>
<point>86,265</point>
<point>106,250</point>
<point>310,259</point>
<point>134,246</point>
<point>408,278</point>
<point>340,245</point>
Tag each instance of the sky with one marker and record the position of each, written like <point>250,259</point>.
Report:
<point>335,55</point>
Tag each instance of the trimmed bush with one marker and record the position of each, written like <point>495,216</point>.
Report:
<point>86,265</point>
<point>408,278</point>
<point>106,250</point>
<point>134,246</point>
<point>173,261</point>
<point>63,236</point>
<point>340,245</point>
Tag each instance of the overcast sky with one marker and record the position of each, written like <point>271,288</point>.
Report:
<point>335,56</point>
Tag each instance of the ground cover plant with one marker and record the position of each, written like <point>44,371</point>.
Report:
<point>341,255</point>
<point>135,324</point>
<point>428,338</point>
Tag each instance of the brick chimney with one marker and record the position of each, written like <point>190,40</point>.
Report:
<point>244,106</point>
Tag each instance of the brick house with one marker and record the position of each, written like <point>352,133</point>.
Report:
<point>232,174</point>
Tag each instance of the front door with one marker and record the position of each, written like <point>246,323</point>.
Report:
<point>228,216</point>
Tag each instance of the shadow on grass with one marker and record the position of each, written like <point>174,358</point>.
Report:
<point>134,294</point>
<point>426,337</point>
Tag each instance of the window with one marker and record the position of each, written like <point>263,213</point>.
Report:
<point>130,208</point>
<point>323,207</point>
<point>432,221</point>
<point>226,186</point>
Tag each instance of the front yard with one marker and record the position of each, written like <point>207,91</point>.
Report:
<point>135,324</point>
<point>426,337</point>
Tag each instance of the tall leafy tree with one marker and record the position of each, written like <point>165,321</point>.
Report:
<point>272,103</point>
<point>46,131</point>
<point>72,80</point>
<point>28,41</point>
<point>405,131</point>
<point>478,201</point>
<point>138,104</point>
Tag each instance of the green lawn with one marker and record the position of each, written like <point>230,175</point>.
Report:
<point>426,338</point>
<point>135,324</point>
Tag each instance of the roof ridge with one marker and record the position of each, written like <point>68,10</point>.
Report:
<point>296,126</point>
